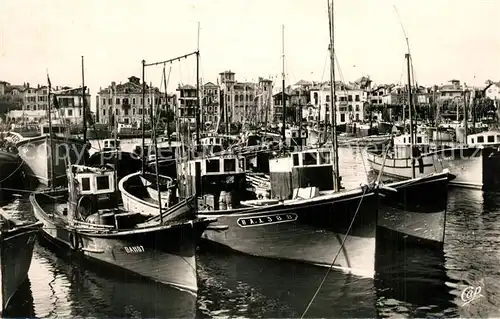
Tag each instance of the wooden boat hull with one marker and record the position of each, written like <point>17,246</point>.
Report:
<point>35,153</point>
<point>16,252</point>
<point>416,213</point>
<point>165,254</point>
<point>309,231</point>
<point>474,168</point>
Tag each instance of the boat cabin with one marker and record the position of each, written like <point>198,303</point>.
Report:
<point>111,145</point>
<point>402,146</point>
<point>295,138</point>
<point>308,168</point>
<point>489,138</point>
<point>213,178</point>
<point>405,140</point>
<point>57,129</point>
<point>91,189</point>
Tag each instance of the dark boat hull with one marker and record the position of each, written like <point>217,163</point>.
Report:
<point>308,232</point>
<point>416,214</point>
<point>11,172</point>
<point>15,256</point>
<point>164,254</point>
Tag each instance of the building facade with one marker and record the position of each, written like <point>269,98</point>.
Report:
<point>127,102</point>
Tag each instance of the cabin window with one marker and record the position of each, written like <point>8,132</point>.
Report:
<point>295,159</point>
<point>472,139</point>
<point>45,130</point>
<point>102,182</point>
<point>212,166</point>
<point>309,159</point>
<point>498,138</point>
<point>491,139</point>
<point>419,139</point>
<point>324,158</point>
<point>480,139</point>
<point>85,184</point>
<point>230,165</point>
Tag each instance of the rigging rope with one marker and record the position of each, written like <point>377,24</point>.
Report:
<point>336,256</point>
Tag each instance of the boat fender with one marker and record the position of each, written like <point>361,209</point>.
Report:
<point>75,240</point>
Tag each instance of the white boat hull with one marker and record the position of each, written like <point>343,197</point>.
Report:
<point>35,153</point>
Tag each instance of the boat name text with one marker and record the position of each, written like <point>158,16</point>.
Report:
<point>134,249</point>
<point>266,220</point>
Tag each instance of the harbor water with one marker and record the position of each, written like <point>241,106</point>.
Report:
<point>463,280</point>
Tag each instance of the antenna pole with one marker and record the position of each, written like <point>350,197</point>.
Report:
<point>333,106</point>
<point>412,142</point>
<point>197,110</point>
<point>84,104</point>
<point>143,117</point>
<point>283,97</point>
<point>49,107</point>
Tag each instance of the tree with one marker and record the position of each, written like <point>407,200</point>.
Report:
<point>9,102</point>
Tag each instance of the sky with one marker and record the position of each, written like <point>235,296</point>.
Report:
<point>449,39</point>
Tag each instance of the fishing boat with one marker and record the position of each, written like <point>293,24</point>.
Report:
<point>17,240</point>
<point>474,164</point>
<point>85,220</point>
<point>53,144</point>
<point>301,228</point>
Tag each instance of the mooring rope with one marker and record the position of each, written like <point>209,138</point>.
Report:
<point>336,256</point>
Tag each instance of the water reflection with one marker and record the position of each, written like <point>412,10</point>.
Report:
<point>411,281</point>
<point>236,285</point>
<point>66,288</point>
<point>472,249</point>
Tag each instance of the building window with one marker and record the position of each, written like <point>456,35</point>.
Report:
<point>133,101</point>
<point>103,112</point>
<point>110,101</point>
<point>328,98</point>
<point>70,112</point>
<point>125,111</point>
<point>349,98</point>
<point>118,100</point>
<point>117,111</point>
<point>133,111</point>
<point>342,117</point>
<point>357,98</point>
<point>103,101</point>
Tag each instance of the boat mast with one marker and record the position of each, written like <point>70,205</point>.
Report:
<point>412,142</point>
<point>143,117</point>
<point>333,108</point>
<point>283,76</point>
<point>84,104</point>
<point>50,135</point>
<point>167,106</point>
<point>197,110</point>
<point>153,137</point>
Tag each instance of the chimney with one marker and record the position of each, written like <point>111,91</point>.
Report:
<point>28,85</point>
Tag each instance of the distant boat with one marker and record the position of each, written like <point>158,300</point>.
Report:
<point>475,164</point>
<point>85,220</point>
<point>35,152</point>
<point>17,240</point>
